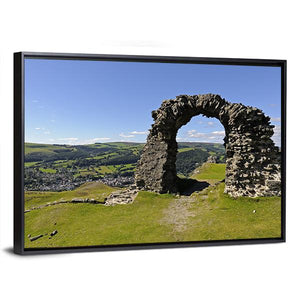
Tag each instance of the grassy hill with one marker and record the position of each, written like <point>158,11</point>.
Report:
<point>64,167</point>
<point>209,172</point>
<point>47,152</point>
<point>95,190</point>
<point>205,215</point>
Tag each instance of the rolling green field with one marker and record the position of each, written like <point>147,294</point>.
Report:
<point>95,161</point>
<point>95,190</point>
<point>152,218</point>
<point>210,172</point>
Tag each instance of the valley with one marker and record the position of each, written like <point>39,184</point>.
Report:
<point>65,167</point>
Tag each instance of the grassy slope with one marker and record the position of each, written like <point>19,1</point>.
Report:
<point>185,149</point>
<point>210,172</point>
<point>33,147</point>
<point>216,216</point>
<point>84,224</point>
<point>95,190</point>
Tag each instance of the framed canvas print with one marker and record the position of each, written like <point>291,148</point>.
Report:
<point>135,152</point>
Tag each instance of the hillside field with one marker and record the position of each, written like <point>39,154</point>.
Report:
<point>58,167</point>
<point>152,218</point>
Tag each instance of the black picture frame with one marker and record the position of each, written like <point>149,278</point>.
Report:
<point>19,146</point>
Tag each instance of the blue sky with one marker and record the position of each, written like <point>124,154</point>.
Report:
<point>83,102</point>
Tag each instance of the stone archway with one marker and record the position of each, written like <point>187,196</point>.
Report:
<point>252,159</point>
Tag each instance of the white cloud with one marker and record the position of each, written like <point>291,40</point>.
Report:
<point>139,132</point>
<point>277,135</point>
<point>47,132</point>
<point>100,139</point>
<point>222,133</point>
<point>93,141</point>
<point>70,139</point>
<point>194,134</point>
<point>126,136</point>
<point>210,123</point>
<point>35,101</point>
<point>275,119</point>
<point>37,128</point>
<point>216,136</point>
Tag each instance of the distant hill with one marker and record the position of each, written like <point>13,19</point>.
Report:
<point>63,167</point>
<point>51,152</point>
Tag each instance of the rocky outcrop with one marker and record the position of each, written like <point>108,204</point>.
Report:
<point>252,159</point>
<point>126,196</point>
<point>212,159</point>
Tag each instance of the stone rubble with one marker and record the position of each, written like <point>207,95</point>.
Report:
<point>126,196</point>
<point>74,200</point>
<point>36,238</point>
<point>212,159</point>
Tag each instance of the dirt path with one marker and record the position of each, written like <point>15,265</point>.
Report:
<point>178,213</point>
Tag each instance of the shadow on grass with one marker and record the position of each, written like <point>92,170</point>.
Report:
<point>188,186</point>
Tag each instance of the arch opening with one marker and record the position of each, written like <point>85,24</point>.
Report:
<point>252,159</point>
<point>199,140</point>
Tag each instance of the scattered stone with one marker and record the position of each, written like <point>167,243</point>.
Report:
<point>254,211</point>
<point>86,200</point>
<point>212,159</point>
<point>36,237</point>
<point>53,233</point>
<point>74,200</point>
<point>252,159</point>
<point>29,235</point>
<point>126,196</point>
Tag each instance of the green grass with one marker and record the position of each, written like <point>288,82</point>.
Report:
<point>109,169</point>
<point>220,217</point>
<point>48,170</point>
<point>33,147</point>
<point>210,172</point>
<point>87,224</point>
<point>214,216</point>
<point>108,155</point>
<point>95,190</point>
<point>104,170</point>
<point>64,163</point>
<point>185,149</point>
<point>30,164</point>
<point>125,144</point>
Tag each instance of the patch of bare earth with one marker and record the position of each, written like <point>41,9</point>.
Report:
<point>177,215</point>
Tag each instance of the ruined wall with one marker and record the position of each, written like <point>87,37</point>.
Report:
<point>252,159</point>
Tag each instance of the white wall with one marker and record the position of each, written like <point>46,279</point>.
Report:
<point>248,29</point>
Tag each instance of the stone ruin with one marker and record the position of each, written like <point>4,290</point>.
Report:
<point>252,159</point>
<point>212,159</point>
